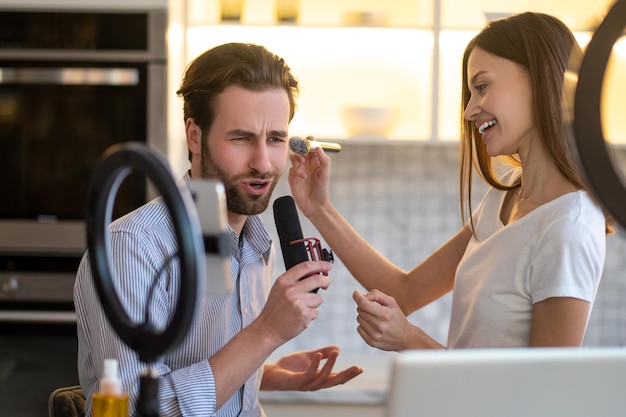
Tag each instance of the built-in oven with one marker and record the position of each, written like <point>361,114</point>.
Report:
<point>72,84</point>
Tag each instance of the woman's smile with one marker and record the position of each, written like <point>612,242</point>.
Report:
<point>483,127</point>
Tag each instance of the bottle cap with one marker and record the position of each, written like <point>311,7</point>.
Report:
<point>110,384</point>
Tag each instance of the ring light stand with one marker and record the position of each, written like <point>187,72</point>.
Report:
<point>589,139</point>
<point>149,343</point>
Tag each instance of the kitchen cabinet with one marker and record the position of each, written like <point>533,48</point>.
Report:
<point>399,54</point>
<point>344,53</point>
<point>85,4</point>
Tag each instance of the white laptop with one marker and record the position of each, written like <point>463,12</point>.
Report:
<point>538,382</point>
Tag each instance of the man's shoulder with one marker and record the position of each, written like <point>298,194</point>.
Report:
<point>153,215</point>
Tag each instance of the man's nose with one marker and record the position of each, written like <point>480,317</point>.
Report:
<point>259,160</point>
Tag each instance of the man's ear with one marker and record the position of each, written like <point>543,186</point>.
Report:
<point>194,136</point>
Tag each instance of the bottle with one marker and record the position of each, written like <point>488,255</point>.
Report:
<point>110,400</point>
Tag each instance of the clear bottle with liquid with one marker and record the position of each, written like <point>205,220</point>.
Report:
<point>110,400</point>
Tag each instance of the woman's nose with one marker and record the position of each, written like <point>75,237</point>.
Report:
<point>471,110</point>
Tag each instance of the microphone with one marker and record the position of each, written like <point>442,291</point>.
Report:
<point>295,248</point>
<point>303,146</point>
<point>289,230</point>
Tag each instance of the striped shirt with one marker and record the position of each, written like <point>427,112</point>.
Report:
<point>141,244</point>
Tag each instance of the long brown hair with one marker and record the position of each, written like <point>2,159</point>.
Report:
<point>543,46</point>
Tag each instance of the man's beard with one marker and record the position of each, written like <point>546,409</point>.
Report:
<point>236,200</point>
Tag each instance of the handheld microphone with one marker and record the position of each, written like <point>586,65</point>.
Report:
<point>289,230</point>
<point>295,248</point>
<point>303,146</point>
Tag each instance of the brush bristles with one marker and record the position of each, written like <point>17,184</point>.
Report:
<point>299,146</point>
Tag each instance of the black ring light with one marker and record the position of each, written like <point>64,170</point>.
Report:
<point>589,138</point>
<point>115,165</point>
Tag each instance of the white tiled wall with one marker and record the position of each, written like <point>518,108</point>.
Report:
<point>608,318</point>
<point>404,199</point>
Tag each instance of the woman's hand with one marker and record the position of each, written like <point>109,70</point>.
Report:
<point>309,177</point>
<point>300,371</point>
<point>383,325</point>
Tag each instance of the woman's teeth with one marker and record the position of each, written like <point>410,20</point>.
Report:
<point>485,126</point>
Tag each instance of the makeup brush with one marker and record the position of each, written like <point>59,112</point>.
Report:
<point>301,146</point>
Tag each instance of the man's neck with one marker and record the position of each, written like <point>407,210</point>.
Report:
<point>236,221</point>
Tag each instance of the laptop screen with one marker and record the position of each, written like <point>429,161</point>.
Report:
<point>537,382</point>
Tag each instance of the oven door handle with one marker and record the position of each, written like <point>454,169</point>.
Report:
<point>17,316</point>
<point>70,76</point>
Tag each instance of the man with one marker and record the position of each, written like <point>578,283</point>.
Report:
<point>238,102</point>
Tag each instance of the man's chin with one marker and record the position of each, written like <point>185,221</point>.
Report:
<point>250,208</point>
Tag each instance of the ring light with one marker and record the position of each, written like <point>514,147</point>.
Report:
<point>116,164</point>
<point>589,138</point>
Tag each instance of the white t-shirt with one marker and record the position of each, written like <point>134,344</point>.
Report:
<point>557,250</point>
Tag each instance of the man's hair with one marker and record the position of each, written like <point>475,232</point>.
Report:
<point>249,66</point>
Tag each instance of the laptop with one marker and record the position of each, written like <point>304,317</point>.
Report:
<point>537,382</point>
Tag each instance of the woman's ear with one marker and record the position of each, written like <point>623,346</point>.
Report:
<point>194,136</point>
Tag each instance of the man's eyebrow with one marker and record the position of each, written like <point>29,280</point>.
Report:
<point>243,132</point>
<point>240,132</point>
<point>278,133</point>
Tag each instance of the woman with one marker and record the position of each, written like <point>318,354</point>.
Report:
<point>525,268</point>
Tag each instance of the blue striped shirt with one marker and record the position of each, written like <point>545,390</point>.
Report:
<point>141,243</point>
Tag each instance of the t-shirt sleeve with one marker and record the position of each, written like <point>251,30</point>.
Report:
<point>567,262</point>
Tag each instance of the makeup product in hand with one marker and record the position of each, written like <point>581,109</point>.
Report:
<point>303,146</point>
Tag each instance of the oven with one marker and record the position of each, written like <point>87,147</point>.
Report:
<point>72,84</point>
